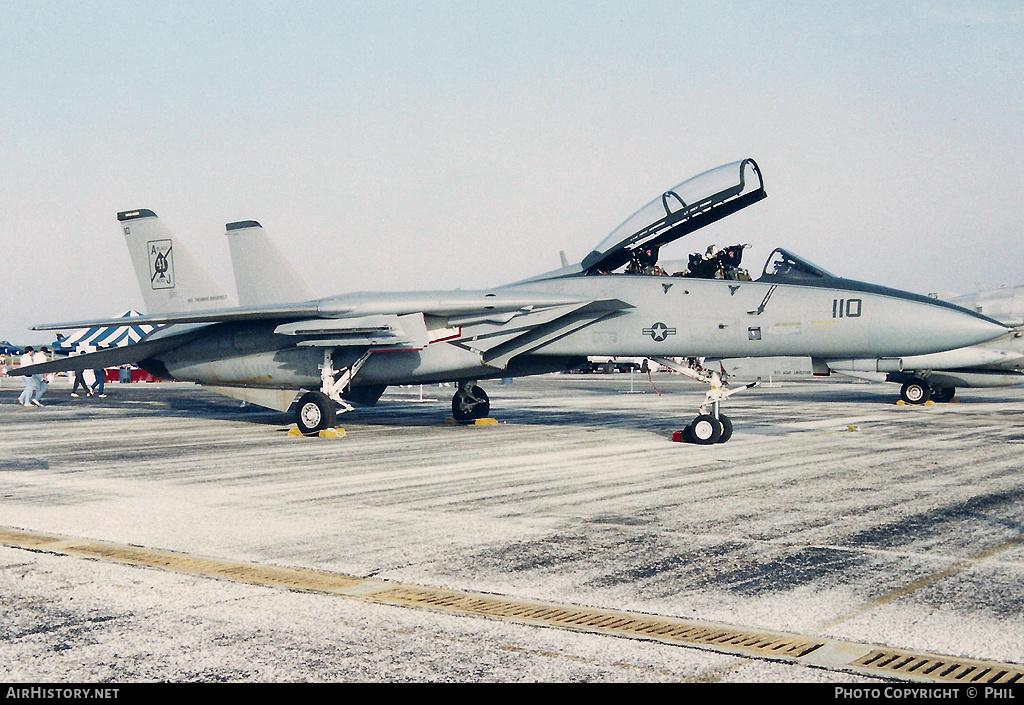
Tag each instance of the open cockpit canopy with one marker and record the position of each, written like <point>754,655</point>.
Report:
<point>691,205</point>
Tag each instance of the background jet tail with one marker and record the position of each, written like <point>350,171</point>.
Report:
<point>171,279</point>
<point>98,337</point>
<point>262,274</point>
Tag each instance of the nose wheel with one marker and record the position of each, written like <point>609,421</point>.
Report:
<point>916,391</point>
<point>705,430</point>
<point>920,391</point>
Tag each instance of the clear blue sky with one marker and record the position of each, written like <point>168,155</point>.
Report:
<point>419,145</point>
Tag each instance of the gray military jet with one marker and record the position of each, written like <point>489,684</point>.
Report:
<point>282,345</point>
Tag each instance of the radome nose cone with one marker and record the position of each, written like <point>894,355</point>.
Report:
<point>981,329</point>
<point>951,328</point>
<point>918,327</point>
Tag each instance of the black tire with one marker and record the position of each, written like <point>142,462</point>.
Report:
<point>705,430</point>
<point>726,428</point>
<point>465,409</point>
<point>915,391</point>
<point>943,394</point>
<point>314,413</point>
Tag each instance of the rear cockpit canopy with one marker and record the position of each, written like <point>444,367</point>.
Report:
<point>691,205</point>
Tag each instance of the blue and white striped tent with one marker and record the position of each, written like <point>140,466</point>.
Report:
<point>91,339</point>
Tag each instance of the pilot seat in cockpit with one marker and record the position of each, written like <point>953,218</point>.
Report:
<point>644,260</point>
<point>724,264</point>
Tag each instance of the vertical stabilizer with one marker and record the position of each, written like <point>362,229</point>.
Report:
<point>262,274</point>
<point>171,279</point>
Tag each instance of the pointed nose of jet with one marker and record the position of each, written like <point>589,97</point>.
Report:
<point>970,328</point>
<point>929,325</point>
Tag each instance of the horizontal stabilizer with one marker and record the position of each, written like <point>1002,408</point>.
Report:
<point>112,357</point>
<point>97,337</point>
<point>211,316</point>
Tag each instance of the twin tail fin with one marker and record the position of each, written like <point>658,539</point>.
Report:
<point>172,280</point>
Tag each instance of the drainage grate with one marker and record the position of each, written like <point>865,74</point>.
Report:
<point>720,637</point>
<point>938,668</point>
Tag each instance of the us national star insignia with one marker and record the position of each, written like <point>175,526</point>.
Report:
<point>659,331</point>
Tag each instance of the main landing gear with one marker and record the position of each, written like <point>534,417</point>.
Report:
<point>710,426</point>
<point>318,411</point>
<point>470,403</point>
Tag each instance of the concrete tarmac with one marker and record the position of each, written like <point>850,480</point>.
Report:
<point>832,512</point>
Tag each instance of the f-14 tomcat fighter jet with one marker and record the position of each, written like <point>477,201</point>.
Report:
<point>282,345</point>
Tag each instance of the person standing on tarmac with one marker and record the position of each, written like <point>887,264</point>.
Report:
<point>80,382</point>
<point>97,386</point>
<point>30,381</point>
<point>41,381</point>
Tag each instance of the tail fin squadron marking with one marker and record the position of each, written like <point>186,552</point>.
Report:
<point>161,264</point>
<point>171,279</point>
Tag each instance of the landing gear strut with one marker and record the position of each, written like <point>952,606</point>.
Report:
<point>470,403</point>
<point>710,425</point>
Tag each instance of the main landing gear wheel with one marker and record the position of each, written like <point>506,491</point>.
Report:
<point>314,413</point>
<point>915,391</point>
<point>470,403</point>
<point>943,394</point>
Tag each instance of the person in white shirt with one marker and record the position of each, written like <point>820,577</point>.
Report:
<point>42,381</point>
<point>30,381</point>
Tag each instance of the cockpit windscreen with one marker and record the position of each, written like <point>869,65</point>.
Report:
<point>783,265</point>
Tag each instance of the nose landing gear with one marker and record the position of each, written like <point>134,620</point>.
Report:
<point>919,391</point>
<point>710,425</point>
